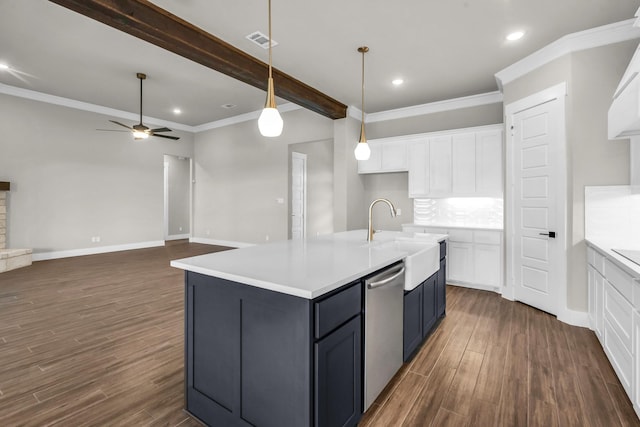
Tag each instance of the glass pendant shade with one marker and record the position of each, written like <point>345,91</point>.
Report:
<point>362,151</point>
<point>270,123</point>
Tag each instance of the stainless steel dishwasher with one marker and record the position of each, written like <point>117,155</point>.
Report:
<point>384,294</point>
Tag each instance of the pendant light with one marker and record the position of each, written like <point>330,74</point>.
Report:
<point>362,150</point>
<point>270,122</point>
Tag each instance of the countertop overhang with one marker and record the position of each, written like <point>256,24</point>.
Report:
<point>607,247</point>
<point>304,268</point>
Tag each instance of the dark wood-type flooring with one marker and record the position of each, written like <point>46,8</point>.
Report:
<point>98,340</point>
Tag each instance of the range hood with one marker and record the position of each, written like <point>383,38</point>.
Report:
<point>624,113</point>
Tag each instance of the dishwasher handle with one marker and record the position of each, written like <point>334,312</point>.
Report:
<point>386,281</point>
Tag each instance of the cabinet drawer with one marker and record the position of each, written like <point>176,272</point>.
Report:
<point>435,230</point>
<point>465,236</point>
<point>488,237</point>
<point>598,261</point>
<point>443,249</point>
<point>619,313</point>
<point>620,358</point>
<point>619,279</point>
<point>331,312</point>
<point>591,256</point>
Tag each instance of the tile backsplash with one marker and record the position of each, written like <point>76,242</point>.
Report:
<point>464,211</point>
<point>612,215</point>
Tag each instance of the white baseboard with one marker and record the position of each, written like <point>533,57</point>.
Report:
<point>43,256</point>
<point>178,236</point>
<point>218,242</point>
<point>575,318</point>
<point>475,286</point>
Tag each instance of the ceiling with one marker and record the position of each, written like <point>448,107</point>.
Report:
<point>442,49</point>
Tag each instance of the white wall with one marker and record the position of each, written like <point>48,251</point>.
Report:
<point>240,174</point>
<point>70,182</point>
<point>592,77</point>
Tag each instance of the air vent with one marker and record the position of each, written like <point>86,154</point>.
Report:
<point>261,40</point>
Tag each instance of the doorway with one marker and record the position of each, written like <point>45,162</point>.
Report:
<point>536,205</point>
<point>177,197</point>
<point>298,196</point>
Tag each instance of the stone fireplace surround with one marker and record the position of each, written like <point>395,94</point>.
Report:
<point>10,259</point>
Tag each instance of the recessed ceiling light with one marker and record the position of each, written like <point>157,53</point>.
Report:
<point>397,82</point>
<point>516,35</point>
<point>4,67</point>
<point>177,111</point>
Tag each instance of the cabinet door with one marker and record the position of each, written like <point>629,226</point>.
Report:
<point>374,164</point>
<point>591,285</point>
<point>418,168</point>
<point>441,289</point>
<point>463,164</point>
<point>487,264</point>
<point>599,305</point>
<point>412,325</point>
<point>489,163</point>
<point>440,165</point>
<point>636,360</point>
<point>460,261</point>
<point>394,156</point>
<point>338,379</point>
<point>429,304</point>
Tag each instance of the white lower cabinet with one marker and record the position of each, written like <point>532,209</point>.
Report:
<point>614,317</point>
<point>460,262</point>
<point>474,256</point>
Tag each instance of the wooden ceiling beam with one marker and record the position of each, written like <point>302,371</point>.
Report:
<point>146,21</point>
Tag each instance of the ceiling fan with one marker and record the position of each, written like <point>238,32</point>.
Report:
<point>141,131</point>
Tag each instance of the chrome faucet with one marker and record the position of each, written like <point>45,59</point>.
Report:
<point>393,214</point>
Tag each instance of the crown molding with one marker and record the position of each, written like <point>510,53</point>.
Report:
<point>85,106</point>
<point>246,117</point>
<point>588,39</point>
<point>432,107</point>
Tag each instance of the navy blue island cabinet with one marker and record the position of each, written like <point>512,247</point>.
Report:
<point>255,357</point>
<point>423,307</point>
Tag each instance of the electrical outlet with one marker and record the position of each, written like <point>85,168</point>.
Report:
<point>266,238</point>
<point>97,239</point>
<point>179,228</point>
<point>208,232</point>
<point>398,212</point>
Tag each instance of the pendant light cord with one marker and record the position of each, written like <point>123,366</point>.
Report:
<point>270,41</point>
<point>363,52</point>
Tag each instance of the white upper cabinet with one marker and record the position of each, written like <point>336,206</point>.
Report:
<point>460,163</point>
<point>388,155</point>
<point>418,153</point>
<point>489,161</point>
<point>464,163</point>
<point>440,165</point>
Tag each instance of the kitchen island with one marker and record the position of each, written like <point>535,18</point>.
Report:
<point>274,332</point>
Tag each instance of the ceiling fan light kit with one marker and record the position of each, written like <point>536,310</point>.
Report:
<point>141,131</point>
<point>270,123</point>
<point>362,150</point>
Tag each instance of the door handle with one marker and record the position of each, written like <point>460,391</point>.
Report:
<point>551,234</point>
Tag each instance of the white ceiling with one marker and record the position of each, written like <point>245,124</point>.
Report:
<point>443,49</point>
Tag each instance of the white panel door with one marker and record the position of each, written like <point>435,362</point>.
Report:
<point>418,152</point>
<point>537,257</point>
<point>489,163</point>
<point>298,195</point>
<point>463,164</point>
<point>440,165</point>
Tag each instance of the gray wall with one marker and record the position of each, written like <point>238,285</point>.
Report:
<point>178,189</point>
<point>70,182</point>
<point>319,215</point>
<point>240,174</point>
<point>592,76</point>
<point>394,186</point>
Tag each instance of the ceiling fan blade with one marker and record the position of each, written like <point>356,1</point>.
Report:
<point>175,138</point>
<point>160,130</point>
<point>118,123</point>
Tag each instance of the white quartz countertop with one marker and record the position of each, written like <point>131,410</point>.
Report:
<point>605,246</point>
<point>304,268</point>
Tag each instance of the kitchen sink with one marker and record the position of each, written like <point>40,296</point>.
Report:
<point>422,260</point>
